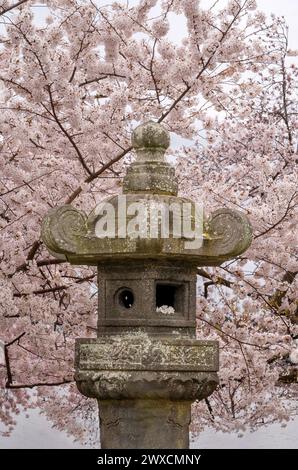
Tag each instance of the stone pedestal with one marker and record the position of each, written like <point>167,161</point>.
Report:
<point>145,386</point>
<point>140,424</point>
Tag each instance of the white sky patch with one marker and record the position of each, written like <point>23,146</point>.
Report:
<point>288,9</point>
<point>2,355</point>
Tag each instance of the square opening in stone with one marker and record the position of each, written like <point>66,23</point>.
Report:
<point>170,295</point>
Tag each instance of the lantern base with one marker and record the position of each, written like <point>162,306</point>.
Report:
<point>144,424</point>
<point>145,385</point>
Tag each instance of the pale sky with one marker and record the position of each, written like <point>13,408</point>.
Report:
<point>288,9</point>
<point>36,432</point>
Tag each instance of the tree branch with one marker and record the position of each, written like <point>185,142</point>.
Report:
<point>92,177</point>
<point>9,383</point>
<point>272,227</point>
<point>18,85</point>
<point>204,67</point>
<point>53,289</point>
<point>7,9</point>
<point>105,75</point>
<point>43,262</point>
<point>232,337</point>
<point>152,73</point>
<point>6,358</point>
<point>67,135</point>
<point>38,384</point>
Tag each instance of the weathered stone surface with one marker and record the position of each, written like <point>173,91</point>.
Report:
<point>146,385</point>
<point>140,366</point>
<point>229,234</point>
<point>150,135</point>
<point>150,173</point>
<point>142,279</point>
<point>153,424</point>
<point>142,352</point>
<point>62,229</point>
<point>70,233</point>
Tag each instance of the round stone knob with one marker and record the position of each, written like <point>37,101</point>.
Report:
<point>150,135</point>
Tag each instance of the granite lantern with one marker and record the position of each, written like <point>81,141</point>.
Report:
<point>146,367</point>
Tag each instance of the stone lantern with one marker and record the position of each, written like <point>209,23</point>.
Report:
<point>146,367</point>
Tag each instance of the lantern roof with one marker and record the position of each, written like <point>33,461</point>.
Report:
<point>148,220</point>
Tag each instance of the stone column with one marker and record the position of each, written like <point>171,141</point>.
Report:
<point>140,424</point>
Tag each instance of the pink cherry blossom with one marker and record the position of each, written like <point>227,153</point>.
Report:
<point>72,89</point>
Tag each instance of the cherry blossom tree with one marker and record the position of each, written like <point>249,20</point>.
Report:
<point>73,86</point>
<point>249,161</point>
